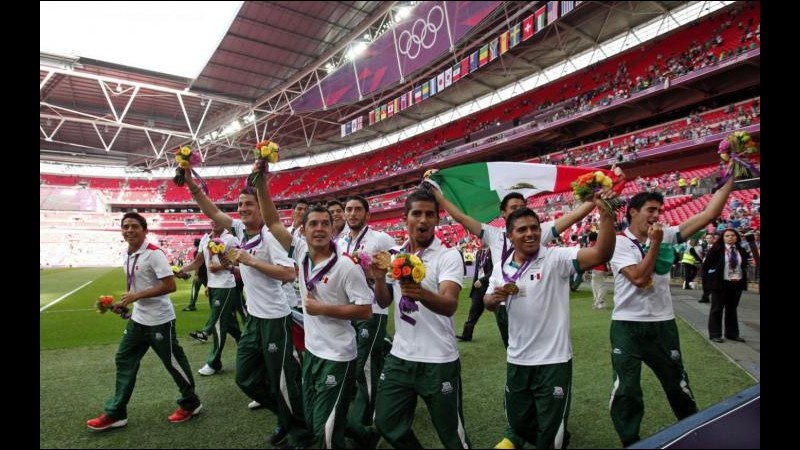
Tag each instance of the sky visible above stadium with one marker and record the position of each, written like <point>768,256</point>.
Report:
<point>175,38</point>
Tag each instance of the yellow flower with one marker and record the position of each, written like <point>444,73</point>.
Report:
<point>272,157</point>
<point>418,273</point>
<point>184,164</point>
<point>415,260</point>
<point>724,156</point>
<point>265,151</point>
<point>607,183</point>
<point>598,176</point>
<point>273,146</point>
<point>186,151</point>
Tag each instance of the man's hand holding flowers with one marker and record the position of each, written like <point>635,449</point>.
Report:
<point>266,152</point>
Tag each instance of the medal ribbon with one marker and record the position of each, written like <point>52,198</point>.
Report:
<point>130,269</point>
<point>310,284</point>
<point>359,238</point>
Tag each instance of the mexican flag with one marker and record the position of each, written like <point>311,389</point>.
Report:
<point>477,188</point>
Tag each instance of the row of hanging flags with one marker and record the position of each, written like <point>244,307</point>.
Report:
<point>412,36</point>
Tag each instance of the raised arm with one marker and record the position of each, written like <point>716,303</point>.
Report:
<point>574,216</point>
<point>206,205</point>
<point>270,214</point>
<point>711,212</point>
<point>472,225</point>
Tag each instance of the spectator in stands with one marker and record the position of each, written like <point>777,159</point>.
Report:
<point>643,325</point>
<point>533,282</point>
<point>271,378</point>
<point>432,371</point>
<point>691,262</point>
<point>480,282</point>
<point>152,325</point>
<point>727,275</point>
<point>370,334</point>
<point>334,292</point>
<point>336,208</point>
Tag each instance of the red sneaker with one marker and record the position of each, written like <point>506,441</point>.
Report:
<point>182,415</point>
<point>104,422</point>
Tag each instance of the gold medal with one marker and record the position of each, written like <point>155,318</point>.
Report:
<point>382,260</point>
<point>511,288</point>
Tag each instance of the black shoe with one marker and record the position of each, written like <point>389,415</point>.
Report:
<point>199,336</point>
<point>463,338</point>
<point>703,301</point>
<point>737,339</point>
<point>278,436</point>
<point>718,340</point>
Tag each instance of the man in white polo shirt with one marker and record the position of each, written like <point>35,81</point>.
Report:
<point>334,291</point>
<point>359,238</point>
<point>643,325</point>
<point>265,369</point>
<point>424,359</point>
<point>533,281</point>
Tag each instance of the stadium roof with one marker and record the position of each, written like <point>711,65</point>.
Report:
<point>96,112</point>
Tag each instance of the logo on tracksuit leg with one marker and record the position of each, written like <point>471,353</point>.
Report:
<point>675,355</point>
<point>330,380</point>
<point>447,387</point>
<point>272,347</point>
<point>558,392</point>
<point>365,333</point>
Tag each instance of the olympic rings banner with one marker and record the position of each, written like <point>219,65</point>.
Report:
<point>431,30</point>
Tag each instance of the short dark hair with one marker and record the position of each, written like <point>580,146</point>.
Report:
<point>593,236</point>
<point>332,202</point>
<point>137,217</point>
<point>520,212</point>
<point>508,198</point>
<point>359,199</point>
<point>420,195</point>
<point>637,201</point>
<point>317,207</point>
<point>299,201</point>
<point>197,242</point>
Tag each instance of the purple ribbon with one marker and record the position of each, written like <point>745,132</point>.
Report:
<point>200,181</point>
<point>311,284</point>
<point>360,237</point>
<point>729,170</point>
<point>405,304</point>
<point>519,271</point>
<point>247,246</point>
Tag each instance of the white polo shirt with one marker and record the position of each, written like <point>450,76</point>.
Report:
<point>432,339</point>
<point>148,266</point>
<point>538,316</point>
<point>265,298</point>
<point>327,337</point>
<point>220,278</point>
<point>373,242</point>
<point>636,304</point>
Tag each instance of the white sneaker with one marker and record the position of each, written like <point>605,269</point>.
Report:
<point>254,405</point>
<point>206,370</point>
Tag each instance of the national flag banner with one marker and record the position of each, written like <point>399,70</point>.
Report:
<point>397,105</point>
<point>483,57</point>
<point>465,66</point>
<point>433,84</point>
<point>344,130</point>
<point>360,122</point>
<point>390,109</point>
<point>527,28</point>
<point>448,77</point>
<point>504,42</point>
<point>383,112</point>
<point>372,117</point>
<point>418,94</point>
<point>494,49</point>
<point>552,11</point>
<point>377,114</point>
<point>426,90</point>
<point>410,98</point>
<point>456,72</point>
<point>440,82</point>
<point>515,35</point>
<point>473,61</point>
<point>477,188</point>
<point>403,102</point>
<point>541,19</point>
<point>567,6</point>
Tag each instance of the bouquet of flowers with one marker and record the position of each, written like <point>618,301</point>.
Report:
<point>266,152</point>
<point>185,158</point>
<point>216,246</point>
<point>585,186</point>
<point>361,258</point>
<point>106,303</point>
<point>734,150</point>
<point>407,266</point>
